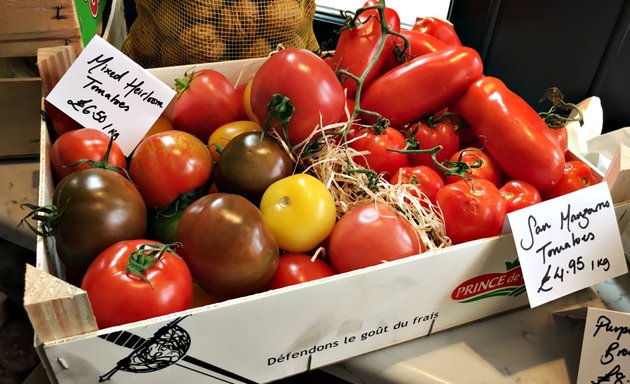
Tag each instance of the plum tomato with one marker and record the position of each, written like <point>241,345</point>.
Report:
<point>250,163</point>
<point>472,209</point>
<point>369,234</point>
<point>300,211</point>
<point>296,268</point>
<point>169,164</point>
<point>229,249</point>
<point>577,175</point>
<point>83,144</point>
<point>519,194</point>
<point>431,132</point>
<point>137,279</point>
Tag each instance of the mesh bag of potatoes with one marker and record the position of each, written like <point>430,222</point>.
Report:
<point>178,32</point>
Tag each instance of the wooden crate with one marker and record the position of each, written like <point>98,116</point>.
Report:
<point>26,26</point>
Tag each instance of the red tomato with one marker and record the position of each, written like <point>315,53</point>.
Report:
<point>471,209</point>
<point>205,101</point>
<point>441,29</point>
<point>512,132</point>
<point>83,144</point>
<point>426,84</point>
<point>168,164</point>
<point>60,121</point>
<point>576,175</point>
<point>370,234</point>
<point>431,133</point>
<point>420,43</point>
<point>519,194</point>
<point>308,82</point>
<point>424,178</point>
<point>482,166</point>
<point>378,157</point>
<point>134,280</point>
<point>296,268</point>
<point>562,137</point>
<point>359,45</point>
<point>240,93</point>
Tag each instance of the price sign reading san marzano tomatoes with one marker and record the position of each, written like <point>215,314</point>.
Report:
<point>106,90</point>
<point>568,243</point>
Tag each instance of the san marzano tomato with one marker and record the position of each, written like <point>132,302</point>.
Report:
<point>577,175</point>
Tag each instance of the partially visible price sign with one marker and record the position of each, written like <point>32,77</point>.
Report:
<point>568,243</point>
<point>605,354</point>
<point>105,89</point>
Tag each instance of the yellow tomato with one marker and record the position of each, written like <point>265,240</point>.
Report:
<point>246,102</point>
<point>300,211</point>
<point>161,124</point>
<point>222,135</point>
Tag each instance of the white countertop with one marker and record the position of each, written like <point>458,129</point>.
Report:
<point>530,345</point>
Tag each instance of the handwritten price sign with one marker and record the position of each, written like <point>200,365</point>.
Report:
<point>105,89</point>
<point>568,243</point>
<point>605,348</point>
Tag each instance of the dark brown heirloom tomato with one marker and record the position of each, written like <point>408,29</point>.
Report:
<point>248,165</point>
<point>228,247</point>
<point>98,208</point>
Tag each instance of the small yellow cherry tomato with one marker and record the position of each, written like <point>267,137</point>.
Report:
<point>222,135</point>
<point>300,211</point>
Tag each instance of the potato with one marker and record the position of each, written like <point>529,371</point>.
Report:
<point>238,22</point>
<point>202,43</point>
<point>282,19</point>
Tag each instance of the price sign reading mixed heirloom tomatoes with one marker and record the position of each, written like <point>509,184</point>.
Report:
<point>568,243</point>
<point>105,89</point>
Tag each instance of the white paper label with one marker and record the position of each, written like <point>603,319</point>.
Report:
<point>605,356</point>
<point>568,243</point>
<point>105,89</point>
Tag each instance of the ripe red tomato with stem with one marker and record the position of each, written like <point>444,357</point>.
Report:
<point>427,84</point>
<point>472,209</point>
<point>84,148</point>
<point>526,151</point>
<point>479,165</point>
<point>307,94</point>
<point>419,44</point>
<point>435,130</point>
<point>296,268</point>
<point>519,194</point>
<point>135,280</point>
<point>427,180</point>
<point>177,157</point>
<point>370,234</point>
<point>378,146</point>
<point>576,175</point>
<point>205,101</point>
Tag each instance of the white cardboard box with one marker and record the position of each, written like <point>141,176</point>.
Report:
<point>276,334</point>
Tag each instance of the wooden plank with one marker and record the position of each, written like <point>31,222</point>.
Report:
<point>55,308</point>
<point>28,25</point>
<point>53,63</point>
<point>20,116</point>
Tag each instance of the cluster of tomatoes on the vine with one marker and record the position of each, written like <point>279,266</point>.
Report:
<point>212,204</point>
